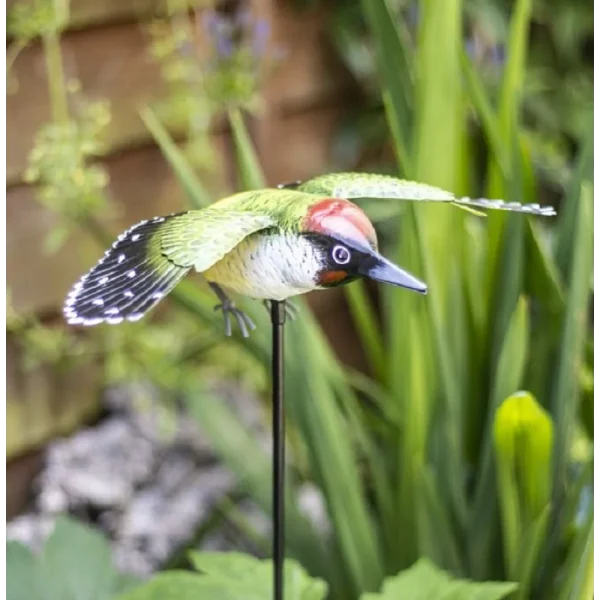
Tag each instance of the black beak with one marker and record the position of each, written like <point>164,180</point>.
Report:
<point>380,269</point>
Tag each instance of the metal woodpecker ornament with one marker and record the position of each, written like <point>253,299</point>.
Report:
<point>269,244</point>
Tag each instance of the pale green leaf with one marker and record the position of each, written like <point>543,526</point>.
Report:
<point>424,581</point>
<point>23,581</point>
<point>76,563</point>
<point>256,576</point>
<point>182,585</point>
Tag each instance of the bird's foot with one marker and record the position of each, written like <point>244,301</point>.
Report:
<point>245,323</point>
<point>291,310</point>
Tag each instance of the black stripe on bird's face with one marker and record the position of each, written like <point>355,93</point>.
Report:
<point>340,259</point>
<point>345,260</point>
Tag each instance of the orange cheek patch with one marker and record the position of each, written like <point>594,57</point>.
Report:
<point>332,277</point>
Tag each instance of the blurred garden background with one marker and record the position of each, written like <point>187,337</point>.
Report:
<point>441,443</point>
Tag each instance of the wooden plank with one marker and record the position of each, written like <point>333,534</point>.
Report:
<point>310,74</point>
<point>297,146</point>
<point>114,63</point>
<point>46,400</point>
<point>20,474</point>
<point>141,185</point>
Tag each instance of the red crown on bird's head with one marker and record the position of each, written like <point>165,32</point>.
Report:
<point>339,217</point>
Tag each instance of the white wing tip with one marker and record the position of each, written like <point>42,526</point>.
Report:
<point>74,319</point>
<point>532,209</point>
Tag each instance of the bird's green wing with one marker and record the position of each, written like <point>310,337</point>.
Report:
<point>371,185</point>
<point>149,259</point>
<point>199,239</point>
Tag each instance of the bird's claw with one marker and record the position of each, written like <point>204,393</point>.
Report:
<point>245,323</point>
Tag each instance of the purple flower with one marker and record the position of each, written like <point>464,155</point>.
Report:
<point>224,45</point>
<point>261,33</point>
<point>211,22</point>
<point>413,15</point>
<point>498,55</point>
<point>219,31</point>
<point>470,48</point>
<point>491,54</point>
<point>244,18</point>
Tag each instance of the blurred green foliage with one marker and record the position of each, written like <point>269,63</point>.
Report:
<point>557,87</point>
<point>75,562</point>
<point>73,184</point>
<point>423,456</point>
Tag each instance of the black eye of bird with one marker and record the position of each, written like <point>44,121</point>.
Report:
<point>341,255</point>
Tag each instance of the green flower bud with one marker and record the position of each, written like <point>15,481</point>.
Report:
<point>523,436</point>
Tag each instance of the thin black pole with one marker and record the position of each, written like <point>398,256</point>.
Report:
<point>278,321</point>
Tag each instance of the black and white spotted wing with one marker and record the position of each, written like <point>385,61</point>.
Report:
<point>128,281</point>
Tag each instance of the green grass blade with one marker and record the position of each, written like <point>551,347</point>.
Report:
<point>567,218</point>
<point>412,445</point>
<point>241,452</point>
<point>393,67</point>
<point>437,540</point>
<point>440,112</point>
<point>197,193</point>
<point>507,284</point>
<point>487,117</point>
<point>542,277</point>
<point>512,85</point>
<point>458,332</point>
<point>471,275</point>
<point>506,246</point>
<point>452,419</point>
<point>578,581</point>
<point>439,96</point>
<point>575,325</point>
<point>529,552</point>
<point>367,326</point>
<point>249,169</point>
<point>507,380</point>
<point>332,457</point>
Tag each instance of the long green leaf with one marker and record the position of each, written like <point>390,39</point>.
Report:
<point>566,373</point>
<point>542,277</point>
<point>507,380</point>
<point>440,111</point>
<point>578,581</point>
<point>506,245</point>
<point>331,456</point>
<point>197,193</point>
<point>512,83</point>
<point>437,540</point>
<point>439,97</point>
<point>235,444</point>
<point>569,210</point>
<point>531,544</point>
<point>249,169</point>
<point>367,327</point>
<point>485,112</point>
<point>393,67</point>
